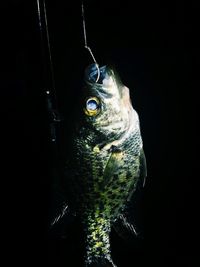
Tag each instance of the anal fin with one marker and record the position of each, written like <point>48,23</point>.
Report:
<point>125,229</point>
<point>61,223</point>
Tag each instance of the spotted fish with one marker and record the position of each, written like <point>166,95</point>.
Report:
<point>106,163</point>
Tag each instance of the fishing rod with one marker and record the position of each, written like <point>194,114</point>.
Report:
<point>54,119</point>
<point>48,81</point>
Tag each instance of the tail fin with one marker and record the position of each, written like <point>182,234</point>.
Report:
<point>101,262</point>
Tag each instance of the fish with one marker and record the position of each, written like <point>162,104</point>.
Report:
<point>107,162</point>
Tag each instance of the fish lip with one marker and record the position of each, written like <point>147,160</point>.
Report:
<point>106,85</point>
<point>91,74</point>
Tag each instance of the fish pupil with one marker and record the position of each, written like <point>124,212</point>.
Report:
<point>92,105</point>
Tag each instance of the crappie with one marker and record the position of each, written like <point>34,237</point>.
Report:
<point>106,162</point>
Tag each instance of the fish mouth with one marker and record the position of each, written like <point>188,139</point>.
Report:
<point>96,74</point>
<point>103,81</point>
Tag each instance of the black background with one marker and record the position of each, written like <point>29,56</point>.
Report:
<point>155,49</point>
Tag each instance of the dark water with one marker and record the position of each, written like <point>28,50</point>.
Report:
<point>155,50</point>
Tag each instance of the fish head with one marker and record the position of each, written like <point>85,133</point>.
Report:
<point>107,105</point>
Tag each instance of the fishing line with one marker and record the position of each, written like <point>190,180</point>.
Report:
<point>86,45</point>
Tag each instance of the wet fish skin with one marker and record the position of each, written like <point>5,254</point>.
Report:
<point>105,162</point>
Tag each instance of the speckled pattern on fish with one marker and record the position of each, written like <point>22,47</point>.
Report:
<point>105,163</point>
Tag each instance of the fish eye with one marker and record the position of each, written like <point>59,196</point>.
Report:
<point>92,106</point>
